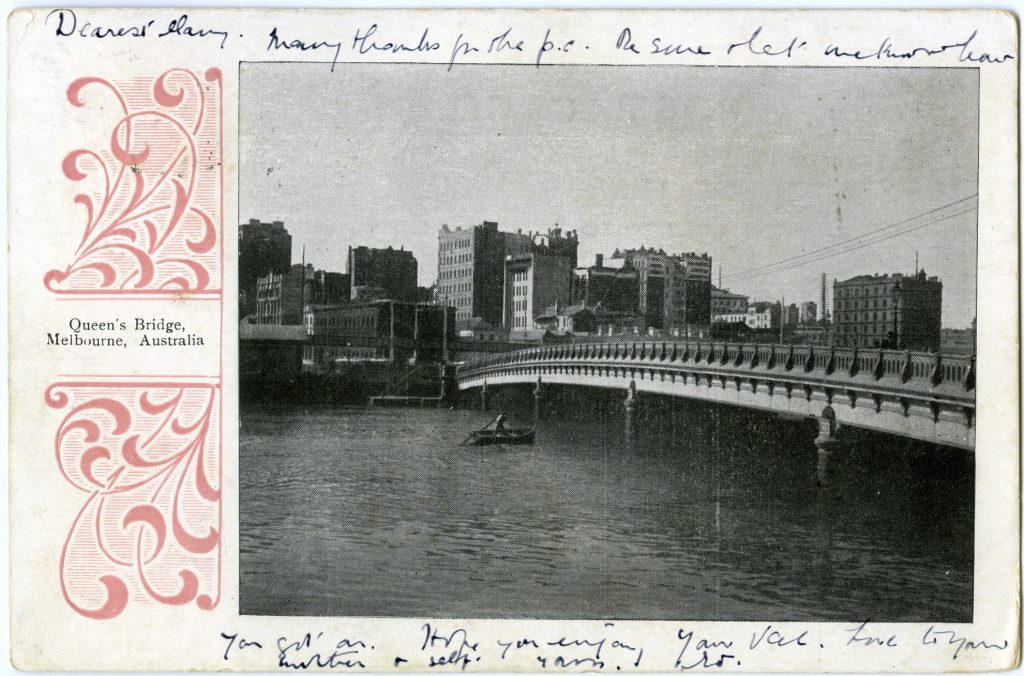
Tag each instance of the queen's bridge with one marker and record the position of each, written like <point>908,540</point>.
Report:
<point>924,396</point>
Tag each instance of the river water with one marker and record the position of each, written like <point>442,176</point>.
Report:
<point>714,515</point>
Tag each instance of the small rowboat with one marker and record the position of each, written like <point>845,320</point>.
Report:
<point>507,436</point>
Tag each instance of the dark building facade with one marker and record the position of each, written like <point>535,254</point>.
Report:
<point>262,248</point>
<point>615,289</point>
<point>382,330</point>
<point>896,311</point>
<point>330,287</point>
<point>393,270</point>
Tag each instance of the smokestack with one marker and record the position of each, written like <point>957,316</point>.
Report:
<point>824,298</point>
<point>599,260</point>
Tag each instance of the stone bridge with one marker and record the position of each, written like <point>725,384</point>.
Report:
<point>924,396</point>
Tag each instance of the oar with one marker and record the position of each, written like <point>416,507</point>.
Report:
<point>481,429</point>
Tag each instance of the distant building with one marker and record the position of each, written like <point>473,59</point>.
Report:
<point>330,287</point>
<point>262,248</point>
<point>470,265</point>
<point>724,302</point>
<point>958,341</point>
<point>562,319</point>
<point>533,282</point>
<point>383,330</point>
<point>614,287</point>
<point>393,270</point>
<point>675,289</point>
<point>892,310</point>
<point>280,298</point>
<point>764,315</point>
<point>808,312</point>
<point>791,316</point>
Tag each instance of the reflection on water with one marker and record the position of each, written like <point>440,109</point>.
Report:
<point>714,515</point>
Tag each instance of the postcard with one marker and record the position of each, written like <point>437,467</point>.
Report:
<point>514,340</point>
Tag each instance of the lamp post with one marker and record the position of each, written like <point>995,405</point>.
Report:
<point>895,292</point>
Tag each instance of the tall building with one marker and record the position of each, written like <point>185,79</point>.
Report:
<point>675,289</point>
<point>614,288</point>
<point>392,270</point>
<point>791,315</point>
<point>893,310</point>
<point>280,298</point>
<point>808,312</point>
<point>533,282</point>
<point>262,248</point>
<point>330,288</point>
<point>470,265</point>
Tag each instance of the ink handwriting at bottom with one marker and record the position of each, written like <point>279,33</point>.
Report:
<point>241,643</point>
<point>591,650</point>
<point>861,635</point>
<point>448,649</point>
<point>948,637</point>
<point>307,652</point>
<point>773,637</point>
<point>705,653</point>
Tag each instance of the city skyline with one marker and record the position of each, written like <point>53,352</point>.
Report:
<point>641,175</point>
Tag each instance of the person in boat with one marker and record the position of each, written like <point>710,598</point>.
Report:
<point>499,423</point>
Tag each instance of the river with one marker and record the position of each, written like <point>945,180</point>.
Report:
<point>714,515</point>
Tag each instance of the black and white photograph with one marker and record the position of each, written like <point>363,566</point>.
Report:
<point>607,342</point>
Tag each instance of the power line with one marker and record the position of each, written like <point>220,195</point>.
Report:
<point>854,248</point>
<point>852,239</point>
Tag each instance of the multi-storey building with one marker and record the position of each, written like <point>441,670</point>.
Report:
<point>470,265</point>
<point>262,248</point>
<point>330,288</point>
<point>390,269</point>
<point>384,329</point>
<point>280,298</point>
<point>791,315</point>
<point>808,312</point>
<point>892,310</point>
<point>533,282</point>
<point>764,315</point>
<point>724,302</point>
<point>675,289</point>
<point>615,288</point>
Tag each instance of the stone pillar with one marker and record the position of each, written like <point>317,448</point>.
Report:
<point>538,402</point>
<point>485,398</point>
<point>824,442</point>
<point>630,407</point>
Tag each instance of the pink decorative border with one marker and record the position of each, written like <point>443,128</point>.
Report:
<point>146,456</point>
<point>151,188</point>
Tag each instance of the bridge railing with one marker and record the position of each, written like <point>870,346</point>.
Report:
<point>935,374</point>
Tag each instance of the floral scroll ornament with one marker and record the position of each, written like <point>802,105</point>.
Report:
<point>151,201</point>
<point>147,458</point>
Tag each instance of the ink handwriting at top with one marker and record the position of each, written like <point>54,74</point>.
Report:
<point>363,43</point>
<point>886,50</point>
<point>756,45</point>
<point>455,647</point>
<point>242,643</point>
<point>181,28</point>
<point>626,43</point>
<point>67,25</point>
<point>933,636</point>
<point>548,45</point>
<point>461,48</point>
<point>711,652</point>
<point>277,42</point>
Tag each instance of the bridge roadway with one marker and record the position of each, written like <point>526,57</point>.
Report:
<point>923,396</point>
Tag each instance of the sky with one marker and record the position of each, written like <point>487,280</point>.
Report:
<point>751,165</point>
